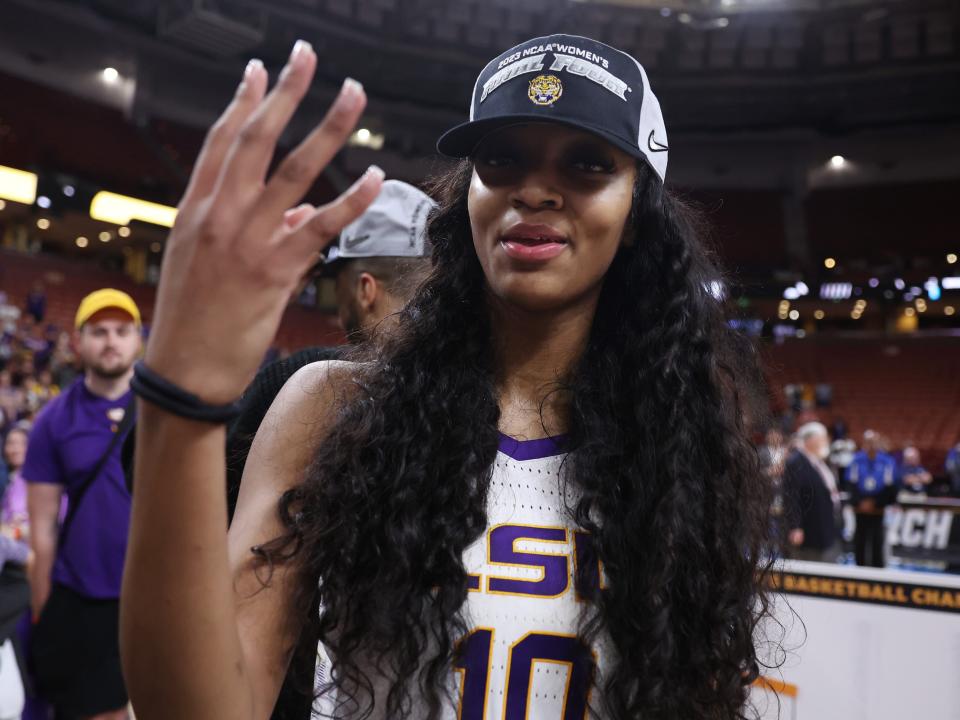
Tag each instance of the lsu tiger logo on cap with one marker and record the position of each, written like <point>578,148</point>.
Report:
<point>545,89</point>
<point>577,81</point>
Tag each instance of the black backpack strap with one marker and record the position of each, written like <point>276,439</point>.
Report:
<point>129,413</point>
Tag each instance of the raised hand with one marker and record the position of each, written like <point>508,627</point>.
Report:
<point>239,246</point>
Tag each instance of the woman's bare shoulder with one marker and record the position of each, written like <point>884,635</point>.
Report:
<point>307,406</point>
<point>298,421</point>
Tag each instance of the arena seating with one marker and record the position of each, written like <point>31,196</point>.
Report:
<point>100,145</point>
<point>67,281</point>
<point>907,388</point>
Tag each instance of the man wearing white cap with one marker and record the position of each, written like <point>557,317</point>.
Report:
<point>379,260</point>
<point>378,263</point>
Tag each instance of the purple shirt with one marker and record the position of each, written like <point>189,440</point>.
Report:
<point>69,437</point>
<point>13,510</point>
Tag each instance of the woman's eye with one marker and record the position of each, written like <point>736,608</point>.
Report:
<point>498,159</point>
<point>594,165</point>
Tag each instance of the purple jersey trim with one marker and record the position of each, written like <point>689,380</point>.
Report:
<point>532,449</point>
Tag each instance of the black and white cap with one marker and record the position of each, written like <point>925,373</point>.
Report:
<point>395,225</point>
<point>571,80</point>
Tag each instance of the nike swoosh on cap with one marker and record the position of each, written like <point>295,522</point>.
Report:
<point>354,241</point>
<point>654,145</point>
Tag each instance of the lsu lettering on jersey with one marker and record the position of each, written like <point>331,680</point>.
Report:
<point>522,659</point>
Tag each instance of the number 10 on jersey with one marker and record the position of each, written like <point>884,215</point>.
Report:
<point>474,665</point>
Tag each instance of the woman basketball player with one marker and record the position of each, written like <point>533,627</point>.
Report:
<point>536,500</point>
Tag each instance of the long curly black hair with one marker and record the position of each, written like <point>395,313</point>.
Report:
<point>661,406</point>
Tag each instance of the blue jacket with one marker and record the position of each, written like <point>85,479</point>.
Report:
<point>875,478</point>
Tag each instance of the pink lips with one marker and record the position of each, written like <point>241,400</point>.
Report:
<point>533,243</point>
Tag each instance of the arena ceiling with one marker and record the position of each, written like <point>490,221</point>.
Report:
<point>792,72</point>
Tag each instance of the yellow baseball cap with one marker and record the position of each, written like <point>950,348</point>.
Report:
<point>101,300</point>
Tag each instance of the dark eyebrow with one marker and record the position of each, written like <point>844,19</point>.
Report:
<point>593,145</point>
<point>497,142</point>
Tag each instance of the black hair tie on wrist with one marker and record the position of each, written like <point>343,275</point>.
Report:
<point>158,391</point>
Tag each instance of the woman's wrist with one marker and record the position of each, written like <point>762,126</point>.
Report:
<point>212,385</point>
<point>158,390</point>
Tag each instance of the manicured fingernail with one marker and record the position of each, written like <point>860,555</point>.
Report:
<point>350,94</point>
<point>375,171</point>
<point>253,66</point>
<point>301,48</point>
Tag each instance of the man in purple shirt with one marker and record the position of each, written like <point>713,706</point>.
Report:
<point>75,584</point>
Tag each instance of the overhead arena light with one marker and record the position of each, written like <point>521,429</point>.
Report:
<point>120,210</point>
<point>798,290</point>
<point>836,291</point>
<point>366,138</point>
<point>18,185</point>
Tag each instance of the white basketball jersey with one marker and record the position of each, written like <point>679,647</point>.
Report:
<point>522,660</point>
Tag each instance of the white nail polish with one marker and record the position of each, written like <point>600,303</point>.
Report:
<point>352,86</point>
<point>375,170</point>
<point>252,66</point>
<point>300,47</point>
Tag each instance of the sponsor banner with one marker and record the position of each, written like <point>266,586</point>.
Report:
<point>926,529</point>
<point>850,642</point>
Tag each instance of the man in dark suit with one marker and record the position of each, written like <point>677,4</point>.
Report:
<point>811,499</point>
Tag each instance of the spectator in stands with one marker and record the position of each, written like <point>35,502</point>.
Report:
<point>842,451</point>
<point>914,478</point>
<point>4,476</point>
<point>773,453</point>
<point>74,447</point>
<point>839,428</point>
<point>12,398</point>
<point>37,302</point>
<point>811,498</point>
<point>15,524</point>
<point>953,469</point>
<point>7,341</point>
<point>37,346</point>
<point>14,539</point>
<point>873,486</point>
<point>14,521</point>
<point>14,598</point>
<point>64,361</point>
<point>9,315</point>
<point>40,390</point>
